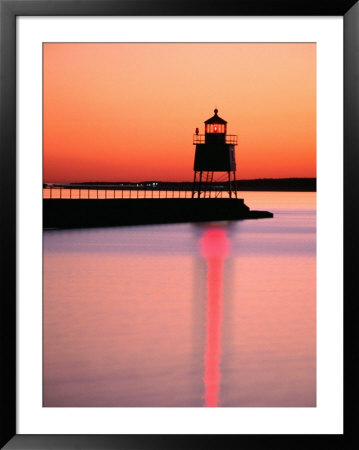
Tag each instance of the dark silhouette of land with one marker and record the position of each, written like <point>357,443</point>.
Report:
<point>260,184</point>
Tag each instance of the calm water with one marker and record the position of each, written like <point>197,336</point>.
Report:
<point>184,315</point>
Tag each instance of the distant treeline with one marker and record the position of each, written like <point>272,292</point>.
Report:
<point>260,184</point>
<point>278,184</point>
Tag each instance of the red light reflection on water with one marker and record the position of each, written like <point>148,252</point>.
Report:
<point>214,246</point>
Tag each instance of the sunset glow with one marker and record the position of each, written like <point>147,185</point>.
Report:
<point>127,112</point>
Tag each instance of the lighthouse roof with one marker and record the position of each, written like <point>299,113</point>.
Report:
<point>215,118</point>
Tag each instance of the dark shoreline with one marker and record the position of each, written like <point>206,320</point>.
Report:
<point>262,184</point>
<point>283,184</point>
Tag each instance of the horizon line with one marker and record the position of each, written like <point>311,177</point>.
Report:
<point>183,181</point>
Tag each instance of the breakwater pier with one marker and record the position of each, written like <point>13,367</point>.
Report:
<point>97,206</point>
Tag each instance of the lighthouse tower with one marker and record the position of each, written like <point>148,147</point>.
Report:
<point>214,160</point>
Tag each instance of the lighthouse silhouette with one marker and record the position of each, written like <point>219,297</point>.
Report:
<point>215,160</point>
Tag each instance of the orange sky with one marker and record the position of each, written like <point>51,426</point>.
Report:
<point>127,112</point>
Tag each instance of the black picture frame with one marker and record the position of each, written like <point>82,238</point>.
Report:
<point>9,10</point>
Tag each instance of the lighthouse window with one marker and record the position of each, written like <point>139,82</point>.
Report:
<point>215,128</point>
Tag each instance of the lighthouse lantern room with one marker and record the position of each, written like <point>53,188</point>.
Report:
<point>214,162</point>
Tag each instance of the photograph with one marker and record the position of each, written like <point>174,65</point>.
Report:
<point>179,224</point>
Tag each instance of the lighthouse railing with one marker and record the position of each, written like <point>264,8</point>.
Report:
<point>231,139</point>
<point>201,139</point>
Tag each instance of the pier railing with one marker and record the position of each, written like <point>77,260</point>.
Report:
<point>102,192</point>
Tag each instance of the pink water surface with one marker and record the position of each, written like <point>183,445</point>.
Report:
<point>184,315</point>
